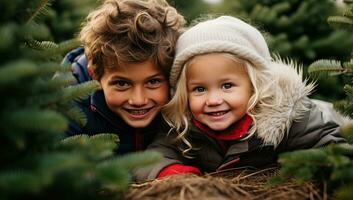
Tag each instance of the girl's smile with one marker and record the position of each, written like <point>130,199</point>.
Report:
<point>219,90</point>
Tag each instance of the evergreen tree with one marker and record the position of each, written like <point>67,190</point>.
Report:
<point>332,164</point>
<point>37,99</point>
<point>64,17</point>
<point>297,29</point>
<point>190,9</point>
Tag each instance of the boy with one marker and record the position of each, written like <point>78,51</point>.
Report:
<point>128,49</point>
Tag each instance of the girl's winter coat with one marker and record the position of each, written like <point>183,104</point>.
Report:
<point>297,123</point>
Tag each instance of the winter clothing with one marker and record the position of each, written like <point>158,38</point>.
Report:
<point>100,119</point>
<point>235,132</point>
<point>178,169</point>
<point>289,120</point>
<point>296,123</point>
<point>223,34</point>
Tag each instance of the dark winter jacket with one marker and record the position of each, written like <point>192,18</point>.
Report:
<point>100,119</point>
<point>297,123</point>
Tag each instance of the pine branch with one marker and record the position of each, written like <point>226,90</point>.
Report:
<point>116,179</point>
<point>131,161</point>
<point>18,181</point>
<point>76,114</point>
<point>79,92</point>
<point>341,22</point>
<point>349,12</point>
<point>42,45</point>
<point>95,148</point>
<point>326,67</point>
<point>41,9</point>
<point>42,85</point>
<point>50,47</point>
<point>36,120</point>
<point>16,70</point>
<point>342,106</point>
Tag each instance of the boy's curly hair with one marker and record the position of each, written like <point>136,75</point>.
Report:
<point>123,31</point>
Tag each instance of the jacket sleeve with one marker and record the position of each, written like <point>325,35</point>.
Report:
<point>170,155</point>
<point>319,127</point>
<point>77,59</point>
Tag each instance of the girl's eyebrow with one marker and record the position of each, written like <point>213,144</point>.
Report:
<point>194,82</point>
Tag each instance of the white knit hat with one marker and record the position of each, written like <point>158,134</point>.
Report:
<point>223,34</point>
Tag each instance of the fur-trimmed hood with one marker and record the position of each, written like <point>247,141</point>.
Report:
<point>273,122</point>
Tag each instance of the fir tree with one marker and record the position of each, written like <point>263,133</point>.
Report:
<point>37,103</point>
<point>332,164</point>
<point>190,9</point>
<point>297,29</point>
<point>64,17</point>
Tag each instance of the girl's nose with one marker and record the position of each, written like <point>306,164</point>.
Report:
<point>214,99</point>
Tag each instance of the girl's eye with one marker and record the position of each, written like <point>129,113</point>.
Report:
<point>154,83</point>
<point>227,86</point>
<point>122,85</point>
<point>199,89</point>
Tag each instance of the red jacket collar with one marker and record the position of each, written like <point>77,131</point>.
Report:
<point>236,131</point>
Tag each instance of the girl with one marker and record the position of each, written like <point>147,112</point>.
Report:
<point>233,105</point>
<point>128,49</point>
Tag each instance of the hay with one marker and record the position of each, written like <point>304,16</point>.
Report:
<point>244,185</point>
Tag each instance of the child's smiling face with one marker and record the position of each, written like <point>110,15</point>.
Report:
<point>136,92</point>
<point>219,90</point>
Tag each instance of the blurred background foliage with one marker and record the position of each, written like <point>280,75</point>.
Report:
<point>295,29</point>
<point>64,17</point>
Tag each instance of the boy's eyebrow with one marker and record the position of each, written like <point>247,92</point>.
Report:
<point>149,77</point>
<point>155,75</point>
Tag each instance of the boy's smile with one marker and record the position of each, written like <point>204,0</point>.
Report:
<point>135,91</point>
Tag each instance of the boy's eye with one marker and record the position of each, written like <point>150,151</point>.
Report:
<point>199,89</point>
<point>154,82</point>
<point>227,86</point>
<point>122,85</point>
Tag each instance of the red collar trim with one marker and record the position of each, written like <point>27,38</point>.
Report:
<point>236,131</point>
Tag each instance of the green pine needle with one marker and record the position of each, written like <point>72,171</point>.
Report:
<point>322,67</point>
<point>341,22</point>
<point>96,147</point>
<point>115,179</point>
<point>80,91</point>
<point>42,45</point>
<point>40,10</point>
<point>19,181</point>
<point>17,70</point>
<point>133,160</point>
<point>37,120</point>
<point>76,114</point>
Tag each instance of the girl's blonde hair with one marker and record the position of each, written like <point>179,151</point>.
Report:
<point>123,31</point>
<point>265,94</point>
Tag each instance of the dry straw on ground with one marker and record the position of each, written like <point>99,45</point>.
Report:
<point>244,185</point>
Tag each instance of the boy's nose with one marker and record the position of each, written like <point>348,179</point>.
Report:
<point>138,98</point>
